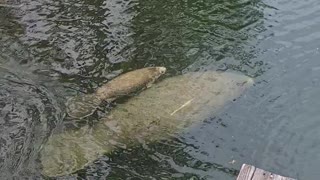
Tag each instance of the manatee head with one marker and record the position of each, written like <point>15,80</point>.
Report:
<point>155,73</point>
<point>161,70</point>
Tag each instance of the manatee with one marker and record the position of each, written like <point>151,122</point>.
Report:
<point>168,107</point>
<point>84,105</point>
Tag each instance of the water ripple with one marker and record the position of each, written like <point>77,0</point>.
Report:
<point>28,114</point>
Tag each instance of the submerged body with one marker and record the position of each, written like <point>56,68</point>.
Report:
<point>84,105</point>
<point>159,112</point>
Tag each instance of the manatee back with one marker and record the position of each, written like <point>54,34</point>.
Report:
<point>175,103</point>
<point>130,82</point>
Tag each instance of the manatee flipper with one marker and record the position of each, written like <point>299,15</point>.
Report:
<point>149,85</point>
<point>83,105</point>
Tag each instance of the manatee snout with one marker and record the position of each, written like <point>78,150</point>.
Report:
<point>161,70</point>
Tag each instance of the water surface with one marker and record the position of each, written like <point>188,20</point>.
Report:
<point>52,50</point>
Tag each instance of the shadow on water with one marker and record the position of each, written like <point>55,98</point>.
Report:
<point>57,49</point>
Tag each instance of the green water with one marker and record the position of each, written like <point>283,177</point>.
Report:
<point>53,50</point>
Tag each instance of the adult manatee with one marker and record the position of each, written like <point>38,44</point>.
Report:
<point>156,113</point>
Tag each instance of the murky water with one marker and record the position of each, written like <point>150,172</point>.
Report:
<point>52,50</point>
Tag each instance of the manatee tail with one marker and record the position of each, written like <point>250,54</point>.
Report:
<point>83,105</point>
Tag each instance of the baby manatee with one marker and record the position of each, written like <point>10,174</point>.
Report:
<point>84,105</point>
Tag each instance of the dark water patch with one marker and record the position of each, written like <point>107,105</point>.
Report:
<point>154,161</point>
<point>28,114</point>
<point>81,42</point>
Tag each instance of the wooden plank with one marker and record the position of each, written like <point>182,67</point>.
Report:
<point>260,174</point>
<point>249,172</point>
<point>246,172</point>
<point>278,177</point>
